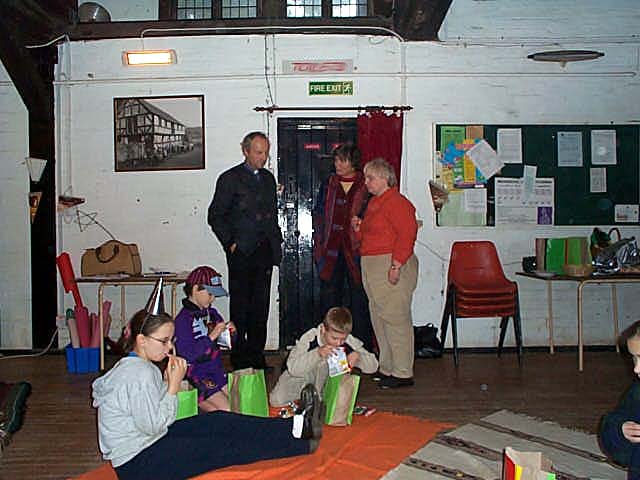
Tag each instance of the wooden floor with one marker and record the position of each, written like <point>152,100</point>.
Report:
<point>58,439</point>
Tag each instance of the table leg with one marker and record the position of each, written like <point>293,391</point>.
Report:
<point>580,341</point>
<point>174,297</point>
<point>100,321</point>
<point>614,302</point>
<point>550,316</point>
<point>123,308</point>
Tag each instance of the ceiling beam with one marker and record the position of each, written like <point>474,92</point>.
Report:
<point>26,68</point>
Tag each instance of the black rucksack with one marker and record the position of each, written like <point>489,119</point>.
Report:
<point>426,341</point>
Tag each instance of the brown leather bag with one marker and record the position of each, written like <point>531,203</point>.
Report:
<point>111,257</point>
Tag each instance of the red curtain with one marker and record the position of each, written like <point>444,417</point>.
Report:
<point>380,135</point>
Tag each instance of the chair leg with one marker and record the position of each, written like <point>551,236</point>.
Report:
<point>504,322</point>
<point>444,324</point>
<point>517,327</point>
<point>454,330</point>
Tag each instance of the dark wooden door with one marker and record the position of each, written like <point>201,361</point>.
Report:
<point>304,161</point>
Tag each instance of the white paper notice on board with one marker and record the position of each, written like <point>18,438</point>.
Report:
<point>529,180</point>
<point>603,147</point>
<point>569,149</point>
<point>512,206</point>
<point>510,145</point>
<point>598,180</point>
<point>485,159</point>
<point>627,213</point>
<point>475,200</point>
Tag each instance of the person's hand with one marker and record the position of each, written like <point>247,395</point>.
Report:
<point>631,431</point>
<point>232,327</point>
<point>325,350</point>
<point>233,247</point>
<point>394,275</point>
<point>355,223</point>
<point>353,358</point>
<point>217,329</point>
<point>176,369</point>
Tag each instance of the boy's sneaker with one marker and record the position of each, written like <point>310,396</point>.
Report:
<point>313,410</point>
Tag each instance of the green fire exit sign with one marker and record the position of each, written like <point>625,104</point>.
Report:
<point>331,88</point>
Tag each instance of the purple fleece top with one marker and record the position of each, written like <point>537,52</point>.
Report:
<point>205,370</point>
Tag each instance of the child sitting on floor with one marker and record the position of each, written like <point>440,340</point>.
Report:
<point>308,360</point>
<point>137,427</point>
<point>620,429</point>
<point>198,326</point>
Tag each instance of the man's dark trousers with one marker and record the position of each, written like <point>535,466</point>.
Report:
<point>250,289</point>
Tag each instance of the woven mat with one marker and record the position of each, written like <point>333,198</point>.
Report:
<point>366,450</point>
<point>474,451</point>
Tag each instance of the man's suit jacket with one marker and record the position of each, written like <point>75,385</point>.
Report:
<point>244,211</point>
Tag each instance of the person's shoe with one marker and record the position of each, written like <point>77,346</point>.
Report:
<point>379,376</point>
<point>313,410</point>
<point>395,382</point>
<point>313,445</point>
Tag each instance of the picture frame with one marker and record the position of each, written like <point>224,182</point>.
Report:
<point>159,133</point>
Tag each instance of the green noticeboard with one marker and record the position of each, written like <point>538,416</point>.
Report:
<point>331,88</point>
<point>575,202</point>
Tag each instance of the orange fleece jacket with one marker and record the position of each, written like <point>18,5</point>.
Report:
<point>389,226</point>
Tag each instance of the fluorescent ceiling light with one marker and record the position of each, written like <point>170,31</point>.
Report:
<point>564,56</point>
<point>149,57</point>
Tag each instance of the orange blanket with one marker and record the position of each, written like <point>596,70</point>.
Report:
<point>367,449</point>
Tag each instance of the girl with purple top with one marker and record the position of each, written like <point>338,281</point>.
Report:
<point>198,326</point>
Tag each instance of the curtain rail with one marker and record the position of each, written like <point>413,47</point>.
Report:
<point>367,108</point>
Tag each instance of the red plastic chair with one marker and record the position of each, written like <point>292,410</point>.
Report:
<point>477,287</point>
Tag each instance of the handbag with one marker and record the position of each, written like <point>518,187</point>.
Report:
<point>426,341</point>
<point>112,257</point>
<point>623,253</point>
<point>339,395</point>
<point>248,392</point>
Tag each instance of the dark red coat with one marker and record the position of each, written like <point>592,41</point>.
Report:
<point>332,232</point>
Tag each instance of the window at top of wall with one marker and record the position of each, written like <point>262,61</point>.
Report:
<point>333,8</point>
<point>239,9</point>
<point>304,8</point>
<point>207,9</point>
<point>193,9</point>
<point>349,8</point>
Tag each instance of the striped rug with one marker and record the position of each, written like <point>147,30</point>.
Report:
<point>474,451</point>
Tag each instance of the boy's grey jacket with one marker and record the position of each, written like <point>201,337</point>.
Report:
<point>304,365</point>
<point>303,358</point>
<point>134,408</point>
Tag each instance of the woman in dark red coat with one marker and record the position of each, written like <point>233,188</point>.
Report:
<point>335,248</point>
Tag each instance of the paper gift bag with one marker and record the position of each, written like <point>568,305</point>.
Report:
<point>555,255</point>
<point>525,466</point>
<point>187,401</point>
<point>339,396</point>
<point>577,251</point>
<point>248,392</point>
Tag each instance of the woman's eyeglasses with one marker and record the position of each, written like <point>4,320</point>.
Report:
<point>163,341</point>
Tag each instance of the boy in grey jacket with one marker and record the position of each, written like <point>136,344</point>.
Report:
<point>308,360</point>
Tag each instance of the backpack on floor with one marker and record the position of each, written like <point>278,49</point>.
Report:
<point>426,341</point>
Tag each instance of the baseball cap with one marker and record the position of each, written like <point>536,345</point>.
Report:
<point>209,279</point>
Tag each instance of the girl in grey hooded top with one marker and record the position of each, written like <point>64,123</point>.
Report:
<point>137,430</point>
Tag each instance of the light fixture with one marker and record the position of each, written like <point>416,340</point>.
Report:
<point>149,57</point>
<point>564,56</point>
<point>35,167</point>
<point>91,12</point>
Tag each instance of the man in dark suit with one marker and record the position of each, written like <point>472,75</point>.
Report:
<point>244,217</point>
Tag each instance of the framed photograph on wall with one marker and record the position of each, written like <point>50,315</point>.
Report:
<point>159,133</point>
